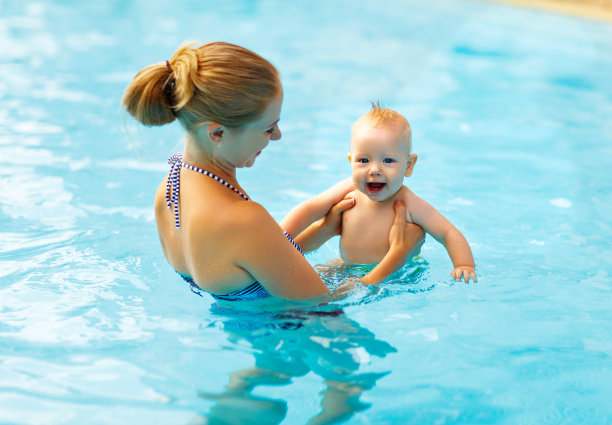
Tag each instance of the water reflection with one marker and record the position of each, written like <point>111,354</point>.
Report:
<point>412,278</point>
<point>288,345</point>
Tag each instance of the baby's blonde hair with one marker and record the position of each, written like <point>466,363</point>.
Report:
<point>379,116</point>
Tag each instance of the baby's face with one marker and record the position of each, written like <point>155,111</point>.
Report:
<point>379,159</point>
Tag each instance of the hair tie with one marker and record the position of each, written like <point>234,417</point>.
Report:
<point>168,89</point>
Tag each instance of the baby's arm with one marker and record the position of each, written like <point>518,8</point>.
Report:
<point>315,208</point>
<point>444,232</point>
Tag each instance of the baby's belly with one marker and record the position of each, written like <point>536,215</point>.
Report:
<point>364,243</point>
<point>352,254</point>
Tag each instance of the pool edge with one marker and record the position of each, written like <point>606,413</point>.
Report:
<point>590,9</point>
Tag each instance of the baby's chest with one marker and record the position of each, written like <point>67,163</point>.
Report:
<point>368,224</point>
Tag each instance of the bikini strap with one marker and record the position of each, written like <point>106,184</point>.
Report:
<point>176,163</point>
<point>292,242</point>
<point>215,177</point>
<point>173,182</point>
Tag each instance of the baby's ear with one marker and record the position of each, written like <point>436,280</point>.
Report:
<point>412,159</point>
<point>349,156</point>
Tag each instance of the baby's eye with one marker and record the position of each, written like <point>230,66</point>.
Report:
<point>388,160</point>
<point>270,131</point>
<point>363,160</point>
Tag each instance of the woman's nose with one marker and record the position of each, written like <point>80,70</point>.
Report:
<point>277,134</point>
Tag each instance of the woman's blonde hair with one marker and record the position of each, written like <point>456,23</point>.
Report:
<point>218,82</point>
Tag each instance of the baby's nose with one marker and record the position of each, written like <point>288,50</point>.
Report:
<point>374,170</point>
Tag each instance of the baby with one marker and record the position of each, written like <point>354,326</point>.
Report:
<point>380,156</point>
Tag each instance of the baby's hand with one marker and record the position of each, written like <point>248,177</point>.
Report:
<point>464,272</point>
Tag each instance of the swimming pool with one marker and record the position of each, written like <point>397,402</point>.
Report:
<point>510,110</point>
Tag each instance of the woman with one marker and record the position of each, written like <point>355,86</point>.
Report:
<point>228,99</point>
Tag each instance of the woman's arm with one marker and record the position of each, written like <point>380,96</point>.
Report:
<point>264,252</point>
<point>403,238</point>
<point>322,230</point>
<point>315,208</point>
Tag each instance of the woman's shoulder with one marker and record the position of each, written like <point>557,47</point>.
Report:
<point>223,234</point>
<point>238,217</point>
<point>160,194</point>
<point>162,212</point>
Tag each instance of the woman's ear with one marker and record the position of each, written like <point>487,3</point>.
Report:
<point>412,159</point>
<point>215,132</point>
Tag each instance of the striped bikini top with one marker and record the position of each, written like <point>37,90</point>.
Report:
<point>254,290</point>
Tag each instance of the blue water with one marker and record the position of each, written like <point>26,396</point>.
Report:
<point>510,110</point>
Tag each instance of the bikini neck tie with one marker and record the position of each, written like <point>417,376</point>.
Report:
<point>176,163</point>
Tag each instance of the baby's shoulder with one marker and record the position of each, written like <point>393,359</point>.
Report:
<point>353,193</point>
<point>405,194</point>
<point>410,199</point>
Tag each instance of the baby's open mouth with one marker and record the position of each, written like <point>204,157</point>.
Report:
<point>375,187</point>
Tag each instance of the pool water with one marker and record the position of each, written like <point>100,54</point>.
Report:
<point>510,110</point>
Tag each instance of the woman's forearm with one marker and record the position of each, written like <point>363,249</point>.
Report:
<point>405,239</point>
<point>314,236</point>
<point>315,208</point>
<point>392,262</point>
<point>303,215</point>
<point>322,230</point>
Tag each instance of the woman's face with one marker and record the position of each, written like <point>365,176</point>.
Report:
<point>242,145</point>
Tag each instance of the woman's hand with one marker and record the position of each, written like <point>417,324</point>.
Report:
<point>405,241</point>
<point>324,229</point>
<point>317,207</point>
<point>404,237</point>
<point>332,221</point>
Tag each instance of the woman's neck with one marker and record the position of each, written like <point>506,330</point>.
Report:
<point>199,156</point>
